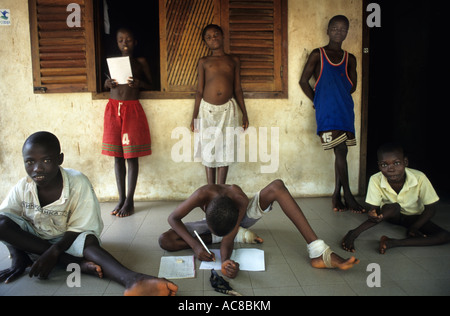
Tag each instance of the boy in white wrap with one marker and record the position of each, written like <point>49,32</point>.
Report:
<point>219,92</point>
<point>229,212</point>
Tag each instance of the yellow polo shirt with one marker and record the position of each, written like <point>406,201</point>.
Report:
<point>415,194</point>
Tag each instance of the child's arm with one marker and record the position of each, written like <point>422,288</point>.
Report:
<point>48,260</point>
<point>352,74</point>
<point>197,199</point>
<point>146,83</point>
<point>428,213</point>
<point>238,93</point>
<point>230,268</point>
<point>308,72</point>
<point>199,92</point>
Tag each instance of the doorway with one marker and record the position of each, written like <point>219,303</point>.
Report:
<point>407,96</point>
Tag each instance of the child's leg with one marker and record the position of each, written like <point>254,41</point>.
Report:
<point>387,212</point>
<point>20,242</point>
<point>210,175</point>
<point>135,283</point>
<point>434,236</point>
<point>276,191</point>
<point>336,199</point>
<point>120,172</point>
<point>222,173</point>
<point>341,171</point>
<point>171,241</point>
<point>126,202</point>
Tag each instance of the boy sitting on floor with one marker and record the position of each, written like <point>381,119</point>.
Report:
<point>401,196</point>
<point>54,213</point>
<point>229,212</point>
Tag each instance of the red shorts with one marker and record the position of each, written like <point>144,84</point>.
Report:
<point>126,133</point>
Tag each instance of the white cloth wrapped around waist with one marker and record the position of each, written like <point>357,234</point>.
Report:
<point>217,150</point>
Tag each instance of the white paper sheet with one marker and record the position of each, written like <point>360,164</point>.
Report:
<point>249,259</point>
<point>120,69</point>
<point>177,267</point>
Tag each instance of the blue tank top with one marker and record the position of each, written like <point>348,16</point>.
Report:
<point>333,101</point>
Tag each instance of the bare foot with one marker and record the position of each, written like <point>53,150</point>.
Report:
<point>336,262</point>
<point>117,208</point>
<point>92,268</point>
<point>337,204</point>
<point>125,210</point>
<point>352,205</point>
<point>347,242</point>
<point>383,244</point>
<point>151,286</point>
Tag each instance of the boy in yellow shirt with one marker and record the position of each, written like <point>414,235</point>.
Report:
<point>402,196</point>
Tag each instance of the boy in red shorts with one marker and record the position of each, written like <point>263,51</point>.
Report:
<point>126,133</point>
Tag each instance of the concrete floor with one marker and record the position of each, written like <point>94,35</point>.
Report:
<point>134,241</point>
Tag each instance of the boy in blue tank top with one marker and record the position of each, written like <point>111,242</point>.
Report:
<point>335,72</point>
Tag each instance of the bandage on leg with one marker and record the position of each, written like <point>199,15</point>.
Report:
<point>319,248</point>
<point>246,236</point>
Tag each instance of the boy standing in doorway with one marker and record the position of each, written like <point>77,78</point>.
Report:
<point>126,133</point>
<point>335,72</point>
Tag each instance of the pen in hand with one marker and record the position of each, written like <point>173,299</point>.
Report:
<point>203,244</point>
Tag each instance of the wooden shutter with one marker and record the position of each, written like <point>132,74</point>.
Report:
<point>181,25</point>
<point>63,57</point>
<point>256,34</point>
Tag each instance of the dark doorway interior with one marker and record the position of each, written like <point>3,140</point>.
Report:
<point>408,87</point>
<point>142,18</point>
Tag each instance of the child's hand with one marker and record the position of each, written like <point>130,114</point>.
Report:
<point>414,232</point>
<point>245,122</point>
<point>111,83</point>
<point>374,217</point>
<point>133,83</point>
<point>194,128</point>
<point>45,264</point>
<point>203,255</point>
<point>230,268</point>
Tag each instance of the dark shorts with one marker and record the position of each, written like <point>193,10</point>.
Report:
<point>331,139</point>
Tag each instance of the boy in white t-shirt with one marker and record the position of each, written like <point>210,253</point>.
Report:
<point>54,213</point>
<point>402,196</point>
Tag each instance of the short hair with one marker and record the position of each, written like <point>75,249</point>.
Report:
<point>211,26</point>
<point>341,18</point>
<point>222,215</point>
<point>46,139</point>
<point>389,148</point>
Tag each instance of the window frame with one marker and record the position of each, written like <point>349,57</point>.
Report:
<point>93,29</point>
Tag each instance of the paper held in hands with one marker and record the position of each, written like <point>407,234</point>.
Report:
<point>249,259</point>
<point>120,69</point>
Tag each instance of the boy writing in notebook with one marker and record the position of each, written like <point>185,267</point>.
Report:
<point>219,91</point>
<point>229,214</point>
<point>54,213</point>
<point>335,72</point>
<point>402,196</point>
<point>126,135</point>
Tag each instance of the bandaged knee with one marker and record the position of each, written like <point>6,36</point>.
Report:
<point>243,236</point>
<point>317,248</point>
